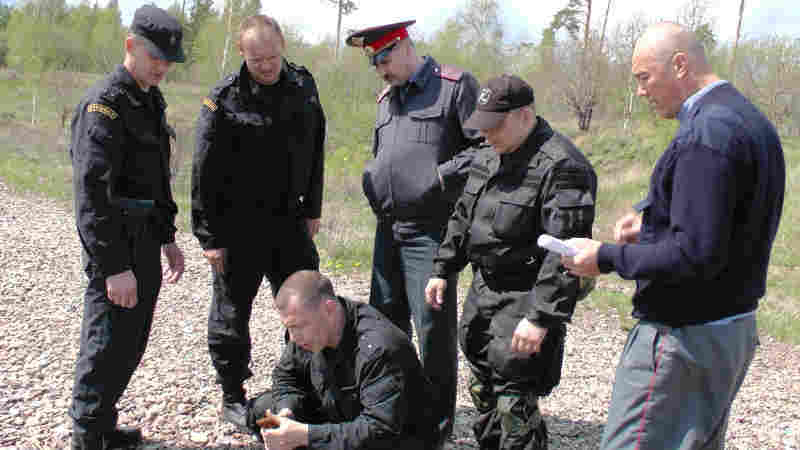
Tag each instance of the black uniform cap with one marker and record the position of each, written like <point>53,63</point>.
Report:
<point>161,32</point>
<point>498,97</point>
<point>377,42</point>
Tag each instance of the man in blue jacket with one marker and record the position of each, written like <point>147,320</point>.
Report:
<point>422,157</point>
<point>698,247</point>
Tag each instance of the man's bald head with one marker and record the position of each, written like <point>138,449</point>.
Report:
<point>669,65</point>
<point>663,40</point>
<point>308,286</point>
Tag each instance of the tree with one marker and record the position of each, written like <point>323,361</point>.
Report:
<point>482,35</point>
<point>343,8</point>
<point>694,15</point>
<point>586,56</point>
<point>736,41</point>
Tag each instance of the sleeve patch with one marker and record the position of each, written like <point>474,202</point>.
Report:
<point>102,109</point>
<point>208,103</point>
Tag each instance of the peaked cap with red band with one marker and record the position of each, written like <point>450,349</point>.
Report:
<point>377,42</point>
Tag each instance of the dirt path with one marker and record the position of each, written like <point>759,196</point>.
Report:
<point>173,395</point>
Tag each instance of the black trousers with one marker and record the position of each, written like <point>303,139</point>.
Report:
<point>289,248</point>
<point>113,339</point>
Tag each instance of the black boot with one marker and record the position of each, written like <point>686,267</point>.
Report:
<point>235,410</point>
<point>87,441</point>
<point>122,438</point>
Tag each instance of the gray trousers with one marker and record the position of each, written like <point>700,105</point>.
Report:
<point>674,386</point>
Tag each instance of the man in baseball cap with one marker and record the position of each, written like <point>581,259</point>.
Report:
<point>532,180</point>
<point>160,32</point>
<point>496,99</point>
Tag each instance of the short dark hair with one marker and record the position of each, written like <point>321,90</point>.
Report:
<point>310,286</point>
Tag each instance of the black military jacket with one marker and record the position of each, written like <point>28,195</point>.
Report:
<point>120,149</point>
<point>371,388</point>
<point>235,146</point>
<point>545,186</point>
<point>419,143</point>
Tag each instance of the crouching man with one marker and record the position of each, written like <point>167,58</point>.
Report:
<point>348,378</point>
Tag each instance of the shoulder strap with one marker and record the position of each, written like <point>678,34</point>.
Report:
<point>384,93</point>
<point>451,73</point>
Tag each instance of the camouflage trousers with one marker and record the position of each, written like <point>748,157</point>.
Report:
<point>505,385</point>
<point>507,421</point>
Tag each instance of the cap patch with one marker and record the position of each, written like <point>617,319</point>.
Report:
<point>102,109</point>
<point>484,96</point>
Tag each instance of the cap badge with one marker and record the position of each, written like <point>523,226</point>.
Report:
<point>484,96</point>
<point>172,40</point>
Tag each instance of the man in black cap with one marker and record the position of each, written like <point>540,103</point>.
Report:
<point>418,172</point>
<point>532,180</point>
<point>125,216</point>
<point>257,179</point>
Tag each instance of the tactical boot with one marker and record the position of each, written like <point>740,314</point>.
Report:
<point>235,411</point>
<point>122,438</point>
<point>87,441</point>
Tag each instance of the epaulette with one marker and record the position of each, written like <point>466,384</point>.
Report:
<point>384,93</point>
<point>301,69</point>
<point>111,93</point>
<point>451,73</point>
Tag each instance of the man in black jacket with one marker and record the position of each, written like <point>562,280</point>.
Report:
<point>532,180</point>
<point>349,378</point>
<point>125,213</point>
<point>698,247</point>
<point>256,192</point>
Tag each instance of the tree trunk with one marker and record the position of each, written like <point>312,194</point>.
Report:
<point>338,31</point>
<point>33,111</point>
<point>736,42</point>
<point>227,40</point>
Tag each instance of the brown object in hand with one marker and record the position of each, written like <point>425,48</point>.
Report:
<point>268,421</point>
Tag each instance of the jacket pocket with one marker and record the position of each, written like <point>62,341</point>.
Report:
<point>427,125</point>
<point>516,213</point>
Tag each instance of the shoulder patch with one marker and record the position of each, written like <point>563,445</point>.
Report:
<point>102,109</point>
<point>208,103</point>
<point>384,93</point>
<point>451,73</point>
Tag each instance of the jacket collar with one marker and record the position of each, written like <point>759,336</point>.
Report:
<point>135,94</point>
<point>345,348</point>
<point>248,87</point>
<point>539,135</point>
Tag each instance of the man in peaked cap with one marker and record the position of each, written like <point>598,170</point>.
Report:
<point>532,180</point>
<point>418,172</point>
<point>125,217</point>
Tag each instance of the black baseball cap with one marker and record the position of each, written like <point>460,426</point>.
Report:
<point>377,42</point>
<point>498,97</point>
<point>161,33</point>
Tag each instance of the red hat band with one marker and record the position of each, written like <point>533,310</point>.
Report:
<point>385,40</point>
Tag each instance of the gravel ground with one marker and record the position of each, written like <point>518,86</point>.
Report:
<point>173,396</point>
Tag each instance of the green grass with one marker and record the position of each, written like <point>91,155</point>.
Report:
<point>34,159</point>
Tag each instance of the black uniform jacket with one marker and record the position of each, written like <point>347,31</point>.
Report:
<point>234,155</point>
<point>120,149</point>
<point>545,186</point>
<point>370,388</point>
<point>419,144</point>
